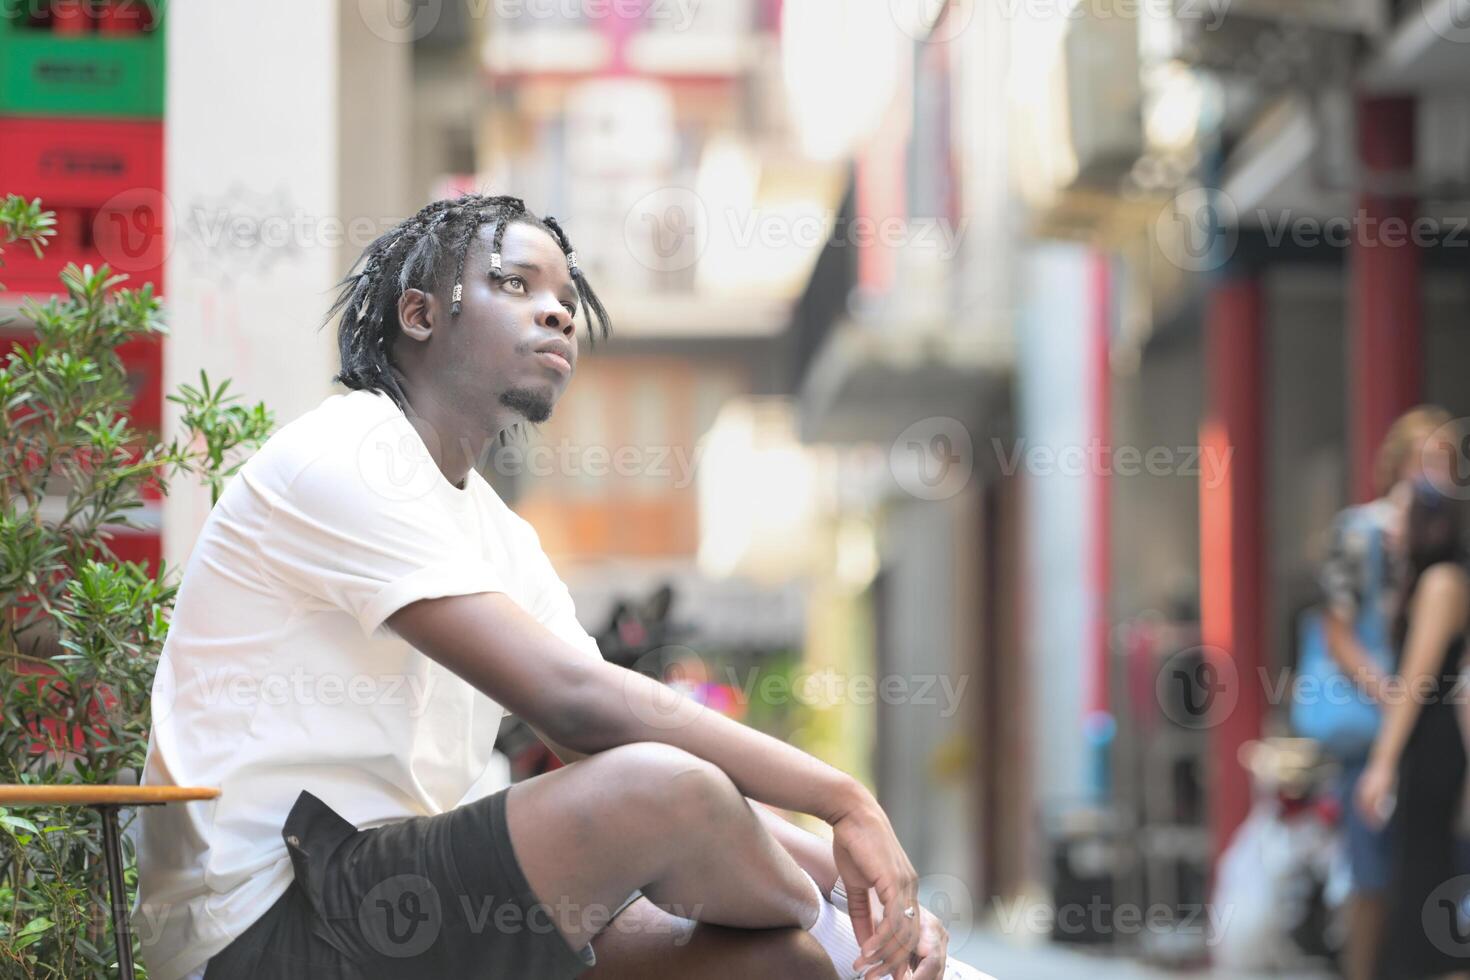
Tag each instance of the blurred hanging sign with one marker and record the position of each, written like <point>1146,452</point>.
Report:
<point>1104,97</point>
<point>1078,105</point>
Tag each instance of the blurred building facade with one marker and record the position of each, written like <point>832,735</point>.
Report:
<point>1265,207</point>
<point>1009,354</point>
<point>274,188</point>
<point>904,340</point>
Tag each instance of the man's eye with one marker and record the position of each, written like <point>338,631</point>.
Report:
<point>515,280</point>
<point>571,310</point>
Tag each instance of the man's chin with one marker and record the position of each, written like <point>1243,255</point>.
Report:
<point>533,405</point>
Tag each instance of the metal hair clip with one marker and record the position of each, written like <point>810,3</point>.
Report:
<point>458,292</point>
<point>495,262</point>
<point>572,260</point>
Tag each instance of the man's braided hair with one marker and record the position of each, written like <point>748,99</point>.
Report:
<point>413,255</point>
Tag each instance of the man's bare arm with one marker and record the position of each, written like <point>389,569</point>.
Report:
<point>588,705</point>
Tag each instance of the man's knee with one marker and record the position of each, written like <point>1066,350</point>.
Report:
<point>669,786</point>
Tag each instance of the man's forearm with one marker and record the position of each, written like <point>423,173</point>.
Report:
<point>614,706</point>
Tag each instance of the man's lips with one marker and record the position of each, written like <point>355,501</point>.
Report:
<point>555,360</point>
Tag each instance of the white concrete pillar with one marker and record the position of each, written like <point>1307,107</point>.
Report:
<point>285,148</point>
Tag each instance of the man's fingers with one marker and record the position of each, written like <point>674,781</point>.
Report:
<point>931,951</point>
<point>895,940</point>
<point>859,909</point>
<point>877,948</point>
<point>930,968</point>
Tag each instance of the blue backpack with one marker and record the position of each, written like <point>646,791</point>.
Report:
<point>1326,705</point>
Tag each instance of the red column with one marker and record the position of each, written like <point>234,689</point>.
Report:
<point>1233,537</point>
<point>1385,346</point>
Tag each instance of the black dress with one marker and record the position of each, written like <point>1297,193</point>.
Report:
<point>1427,933</point>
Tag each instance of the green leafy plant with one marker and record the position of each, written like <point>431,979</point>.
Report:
<point>82,631</point>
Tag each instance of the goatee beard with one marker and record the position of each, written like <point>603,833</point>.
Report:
<point>535,406</point>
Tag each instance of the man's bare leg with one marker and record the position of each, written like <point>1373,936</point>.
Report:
<point>654,817</point>
<point>645,941</point>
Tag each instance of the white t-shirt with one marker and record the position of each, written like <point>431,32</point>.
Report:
<point>280,675</point>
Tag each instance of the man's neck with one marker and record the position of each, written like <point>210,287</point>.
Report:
<point>453,440</point>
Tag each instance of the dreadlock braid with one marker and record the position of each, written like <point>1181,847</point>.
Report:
<point>412,255</point>
<point>589,299</point>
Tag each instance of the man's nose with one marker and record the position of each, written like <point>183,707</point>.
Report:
<point>555,317</point>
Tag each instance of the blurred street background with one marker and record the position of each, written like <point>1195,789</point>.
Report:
<point>986,374</point>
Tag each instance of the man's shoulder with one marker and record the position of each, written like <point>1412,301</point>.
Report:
<point>342,428</point>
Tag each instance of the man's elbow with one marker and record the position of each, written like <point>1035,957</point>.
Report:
<point>580,712</point>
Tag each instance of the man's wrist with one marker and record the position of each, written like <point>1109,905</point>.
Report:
<point>847,795</point>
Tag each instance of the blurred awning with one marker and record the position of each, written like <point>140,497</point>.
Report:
<point>1282,162</point>
<point>1425,52</point>
<point>864,371</point>
<point>871,380</point>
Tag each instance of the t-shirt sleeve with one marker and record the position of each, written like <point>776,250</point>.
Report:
<point>332,536</point>
<point>552,604</point>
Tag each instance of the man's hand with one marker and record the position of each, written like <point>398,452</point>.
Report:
<point>868,855</point>
<point>933,950</point>
<point>931,956</point>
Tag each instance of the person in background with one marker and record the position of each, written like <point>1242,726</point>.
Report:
<point>1416,773</point>
<point>1362,585</point>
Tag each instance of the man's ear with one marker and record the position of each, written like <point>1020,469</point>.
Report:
<point>417,312</point>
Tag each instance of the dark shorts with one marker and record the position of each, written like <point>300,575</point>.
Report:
<point>440,896</point>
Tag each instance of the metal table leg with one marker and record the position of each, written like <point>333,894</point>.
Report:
<point>112,853</point>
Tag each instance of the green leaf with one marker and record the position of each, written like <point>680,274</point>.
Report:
<point>18,822</point>
<point>35,925</point>
<point>65,435</point>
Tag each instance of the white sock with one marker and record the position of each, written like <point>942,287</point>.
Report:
<point>833,929</point>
